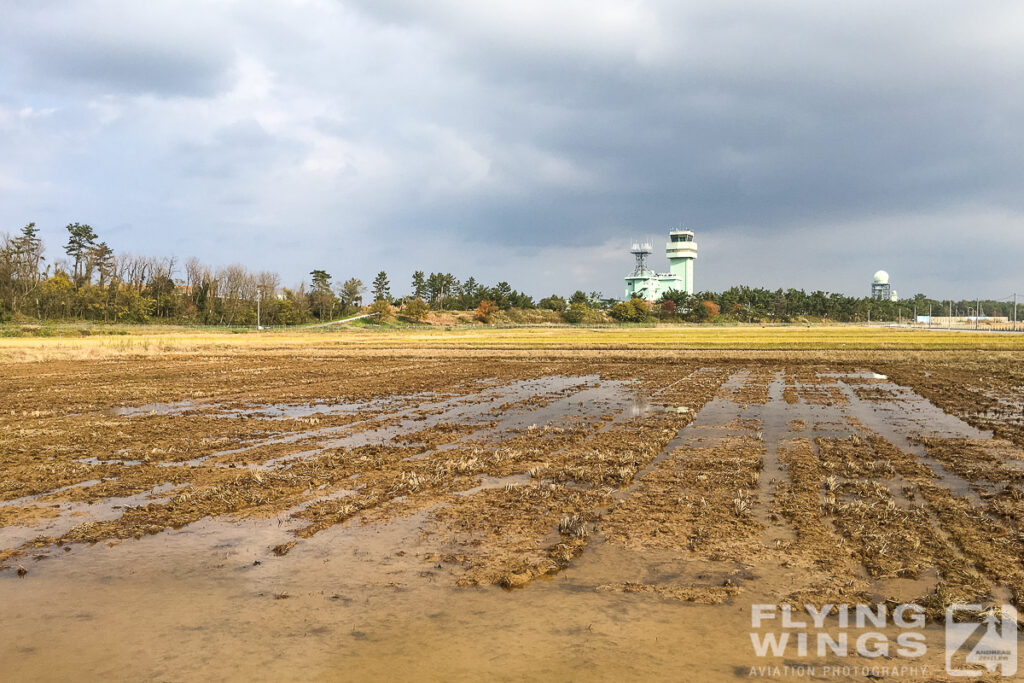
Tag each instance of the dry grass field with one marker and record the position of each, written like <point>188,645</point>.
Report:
<point>150,341</point>
<point>544,503</point>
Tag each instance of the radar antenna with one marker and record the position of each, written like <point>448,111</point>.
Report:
<point>640,251</point>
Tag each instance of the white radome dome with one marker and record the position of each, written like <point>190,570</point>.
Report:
<point>881,278</point>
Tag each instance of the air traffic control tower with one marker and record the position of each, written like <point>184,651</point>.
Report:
<point>682,252</point>
<point>647,284</point>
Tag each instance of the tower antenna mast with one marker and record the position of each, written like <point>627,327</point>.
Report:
<point>640,251</point>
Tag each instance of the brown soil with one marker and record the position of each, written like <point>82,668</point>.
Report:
<point>798,476</point>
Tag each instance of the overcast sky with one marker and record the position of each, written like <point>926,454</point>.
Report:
<point>807,143</point>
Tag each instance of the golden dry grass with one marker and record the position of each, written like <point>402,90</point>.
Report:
<point>147,341</point>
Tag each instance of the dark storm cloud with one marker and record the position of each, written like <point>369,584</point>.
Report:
<point>772,120</point>
<point>542,135</point>
<point>133,69</point>
<point>114,47</point>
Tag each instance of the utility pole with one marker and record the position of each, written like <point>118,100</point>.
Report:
<point>259,299</point>
<point>977,314</point>
<point>1014,311</point>
<point>949,320</point>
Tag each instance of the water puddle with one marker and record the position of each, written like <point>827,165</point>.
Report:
<point>905,420</point>
<point>171,408</point>
<point>71,514</point>
<point>35,497</point>
<point>98,461</point>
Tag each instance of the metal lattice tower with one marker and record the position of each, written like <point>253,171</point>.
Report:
<point>640,251</point>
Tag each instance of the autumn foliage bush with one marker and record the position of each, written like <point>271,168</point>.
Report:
<point>485,311</point>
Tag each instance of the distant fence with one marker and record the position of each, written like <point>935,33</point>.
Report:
<point>968,327</point>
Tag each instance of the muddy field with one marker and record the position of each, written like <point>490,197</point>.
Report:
<point>446,514</point>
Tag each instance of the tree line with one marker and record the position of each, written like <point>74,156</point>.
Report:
<point>753,304</point>
<point>95,283</point>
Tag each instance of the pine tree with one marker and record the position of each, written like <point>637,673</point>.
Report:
<point>381,287</point>
<point>419,285</point>
<point>81,240</point>
<point>321,280</point>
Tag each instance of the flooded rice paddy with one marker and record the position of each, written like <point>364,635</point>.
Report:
<point>587,517</point>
